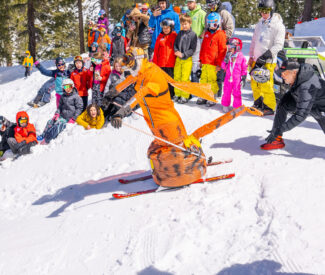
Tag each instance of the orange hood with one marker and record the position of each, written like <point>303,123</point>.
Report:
<point>22,114</point>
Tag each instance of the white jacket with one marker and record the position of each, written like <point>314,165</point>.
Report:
<point>268,35</point>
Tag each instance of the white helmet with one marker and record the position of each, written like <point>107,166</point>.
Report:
<point>260,75</point>
<point>67,81</point>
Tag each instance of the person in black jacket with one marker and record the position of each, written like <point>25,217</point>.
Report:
<point>7,130</point>
<point>305,97</point>
<point>184,47</point>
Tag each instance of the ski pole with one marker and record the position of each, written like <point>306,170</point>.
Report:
<point>163,140</point>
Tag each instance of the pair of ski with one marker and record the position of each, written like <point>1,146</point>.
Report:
<point>159,189</point>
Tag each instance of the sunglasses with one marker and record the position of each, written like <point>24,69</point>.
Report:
<point>60,65</point>
<point>264,10</point>
<point>67,87</point>
<point>213,25</point>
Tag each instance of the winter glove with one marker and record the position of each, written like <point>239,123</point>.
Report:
<point>198,73</point>
<point>243,80</point>
<point>261,61</point>
<point>36,63</point>
<point>116,122</point>
<point>117,118</point>
<point>274,133</point>
<point>71,121</point>
<point>56,116</point>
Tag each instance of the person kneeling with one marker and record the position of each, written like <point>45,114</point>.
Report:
<point>305,97</point>
<point>92,117</point>
<point>70,107</point>
<point>25,135</point>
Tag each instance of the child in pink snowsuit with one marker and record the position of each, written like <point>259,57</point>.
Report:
<point>235,65</point>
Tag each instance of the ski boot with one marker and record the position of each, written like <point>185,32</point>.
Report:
<point>183,100</point>
<point>278,143</point>
<point>201,101</point>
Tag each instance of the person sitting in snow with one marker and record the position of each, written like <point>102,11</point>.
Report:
<point>60,73</point>
<point>305,97</point>
<point>92,117</point>
<point>7,130</point>
<point>28,63</point>
<point>44,94</point>
<point>25,135</point>
<point>70,107</point>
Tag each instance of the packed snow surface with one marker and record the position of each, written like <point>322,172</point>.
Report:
<point>57,215</point>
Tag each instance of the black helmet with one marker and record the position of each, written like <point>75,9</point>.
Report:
<point>167,22</point>
<point>59,61</point>
<point>212,2</point>
<point>266,4</point>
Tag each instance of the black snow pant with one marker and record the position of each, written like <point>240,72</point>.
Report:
<point>220,79</point>
<point>288,105</point>
<point>27,71</point>
<point>21,148</point>
<point>85,102</point>
<point>170,72</point>
<point>97,96</point>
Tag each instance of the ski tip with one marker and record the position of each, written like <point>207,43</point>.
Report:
<point>122,181</point>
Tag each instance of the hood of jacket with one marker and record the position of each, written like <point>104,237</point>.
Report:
<point>169,9</point>
<point>20,115</point>
<point>305,73</point>
<point>28,52</point>
<point>227,6</point>
<point>198,8</point>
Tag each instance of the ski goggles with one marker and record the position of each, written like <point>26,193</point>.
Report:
<point>22,120</point>
<point>264,10</point>
<point>95,60</point>
<point>67,87</point>
<point>78,58</point>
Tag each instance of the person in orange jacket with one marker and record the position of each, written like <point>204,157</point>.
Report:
<point>104,39</point>
<point>170,165</point>
<point>213,52</point>
<point>99,73</point>
<point>25,135</point>
<point>81,79</point>
<point>91,34</point>
<point>164,54</point>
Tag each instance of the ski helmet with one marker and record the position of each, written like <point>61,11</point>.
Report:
<point>266,5</point>
<point>101,12</point>
<point>260,75</point>
<point>66,83</point>
<point>167,22</point>
<point>214,20</point>
<point>235,43</point>
<point>167,2</point>
<point>78,58</point>
<point>213,4</point>
<point>59,61</point>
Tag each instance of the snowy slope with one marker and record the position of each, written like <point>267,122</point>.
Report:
<point>56,215</point>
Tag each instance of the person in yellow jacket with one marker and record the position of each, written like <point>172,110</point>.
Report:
<point>92,117</point>
<point>28,63</point>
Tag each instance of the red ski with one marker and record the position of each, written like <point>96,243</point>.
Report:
<point>129,195</point>
<point>126,181</point>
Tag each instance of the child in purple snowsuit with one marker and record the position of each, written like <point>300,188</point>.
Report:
<point>102,21</point>
<point>235,65</point>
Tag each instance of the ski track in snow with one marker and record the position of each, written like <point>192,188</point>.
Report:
<point>57,217</point>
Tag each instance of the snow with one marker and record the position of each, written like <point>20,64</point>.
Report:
<point>57,215</point>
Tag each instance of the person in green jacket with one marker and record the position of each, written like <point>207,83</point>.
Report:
<point>198,24</point>
<point>28,63</point>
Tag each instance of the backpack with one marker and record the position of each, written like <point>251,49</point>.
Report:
<point>144,36</point>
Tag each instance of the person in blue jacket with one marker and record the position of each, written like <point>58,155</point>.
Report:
<point>60,73</point>
<point>165,10</point>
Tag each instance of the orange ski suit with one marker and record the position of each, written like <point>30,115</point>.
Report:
<point>171,166</point>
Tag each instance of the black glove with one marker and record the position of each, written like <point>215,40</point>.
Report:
<point>243,80</point>
<point>116,122</point>
<point>260,62</point>
<point>274,133</point>
<point>117,118</point>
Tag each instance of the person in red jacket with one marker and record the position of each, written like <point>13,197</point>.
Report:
<point>25,135</point>
<point>213,52</point>
<point>81,80</point>
<point>99,72</point>
<point>164,54</point>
